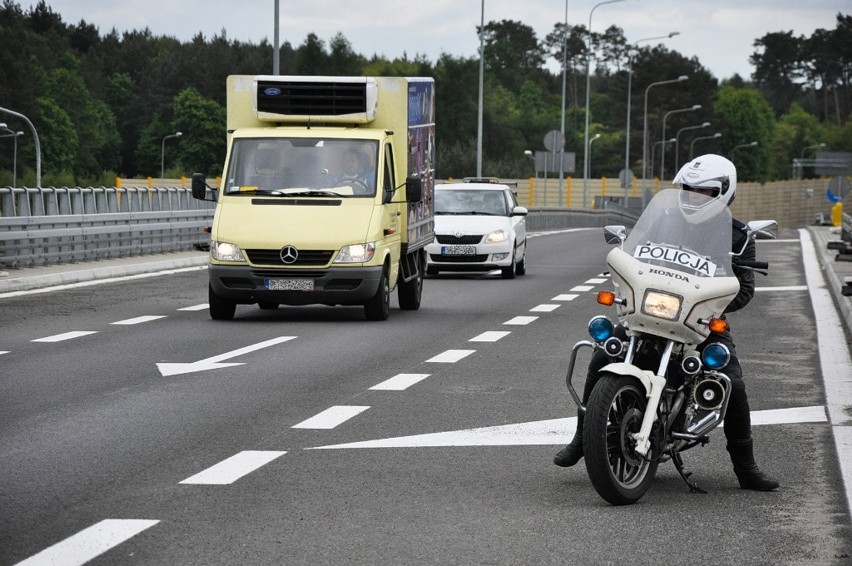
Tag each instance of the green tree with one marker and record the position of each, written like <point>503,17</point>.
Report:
<point>59,142</point>
<point>745,116</point>
<point>202,122</point>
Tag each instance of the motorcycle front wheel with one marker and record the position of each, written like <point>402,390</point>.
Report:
<point>614,412</point>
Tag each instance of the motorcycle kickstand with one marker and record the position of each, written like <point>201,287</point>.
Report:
<point>678,462</point>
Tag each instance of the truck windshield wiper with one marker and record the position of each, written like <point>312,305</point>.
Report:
<point>309,193</point>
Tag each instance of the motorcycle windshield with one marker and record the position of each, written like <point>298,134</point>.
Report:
<point>685,231</point>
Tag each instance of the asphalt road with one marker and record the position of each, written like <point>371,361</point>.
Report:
<point>311,436</point>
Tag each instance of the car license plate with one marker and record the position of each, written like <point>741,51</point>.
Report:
<point>458,250</point>
<point>289,284</point>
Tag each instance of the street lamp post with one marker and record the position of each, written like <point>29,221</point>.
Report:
<point>14,135</point>
<point>645,125</point>
<point>654,148</point>
<point>588,88</point>
<point>629,92</point>
<point>35,139</point>
<point>677,142</point>
<point>481,86</point>
<point>562,109</point>
<point>812,147</point>
<point>736,147</point>
<point>665,117</point>
<point>163,155</point>
<point>692,145</point>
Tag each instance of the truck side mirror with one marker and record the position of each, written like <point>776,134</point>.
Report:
<point>414,189</point>
<point>199,186</point>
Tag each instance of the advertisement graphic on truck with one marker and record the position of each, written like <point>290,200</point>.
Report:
<point>327,193</point>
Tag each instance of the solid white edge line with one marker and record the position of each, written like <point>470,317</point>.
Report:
<point>231,469</point>
<point>331,417</point>
<point>834,360</point>
<point>89,543</point>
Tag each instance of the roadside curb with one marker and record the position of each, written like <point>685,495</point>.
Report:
<point>821,236</point>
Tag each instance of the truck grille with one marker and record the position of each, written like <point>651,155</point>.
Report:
<point>306,257</point>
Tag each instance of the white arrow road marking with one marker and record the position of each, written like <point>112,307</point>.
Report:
<point>231,469</point>
<point>167,369</point>
<point>550,432</point>
<point>89,543</point>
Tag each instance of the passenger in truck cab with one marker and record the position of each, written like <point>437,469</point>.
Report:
<point>353,172</point>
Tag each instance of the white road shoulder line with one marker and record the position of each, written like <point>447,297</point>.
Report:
<point>89,543</point>
<point>400,382</point>
<point>230,470</point>
<point>451,356</point>
<point>66,336</point>
<point>138,320</point>
<point>331,417</point>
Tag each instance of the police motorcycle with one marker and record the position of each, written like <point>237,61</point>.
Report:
<point>658,396</point>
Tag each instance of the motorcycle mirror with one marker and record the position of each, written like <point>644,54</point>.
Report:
<point>763,229</point>
<point>615,233</point>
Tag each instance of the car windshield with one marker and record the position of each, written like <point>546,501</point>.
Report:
<point>470,201</point>
<point>303,167</point>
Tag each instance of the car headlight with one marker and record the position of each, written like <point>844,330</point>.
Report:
<point>223,251</point>
<point>496,237</point>
<point>661,305</point>
<point>356,253</point>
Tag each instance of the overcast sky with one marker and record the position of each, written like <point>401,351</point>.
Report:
<point>720,33</point>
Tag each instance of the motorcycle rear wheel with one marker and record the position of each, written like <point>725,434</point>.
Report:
<point>614,411</point>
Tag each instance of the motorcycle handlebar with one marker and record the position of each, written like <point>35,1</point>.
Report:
<point>752,264</point>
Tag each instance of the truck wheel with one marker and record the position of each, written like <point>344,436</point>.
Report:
<point>220,309</point>
<point>378,308</point>
<point>410,291</point>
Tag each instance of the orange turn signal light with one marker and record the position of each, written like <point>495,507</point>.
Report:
<point>717,325</point>
<point>606,298</point>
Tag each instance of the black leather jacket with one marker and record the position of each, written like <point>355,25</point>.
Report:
<point>739,238</point>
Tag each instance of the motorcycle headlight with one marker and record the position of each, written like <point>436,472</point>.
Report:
<point>661,305</point>
<point>223,251</point>
<point>356,253</point>
<point>716,356</point>
<point>600,328</point>
<point>496,237</point>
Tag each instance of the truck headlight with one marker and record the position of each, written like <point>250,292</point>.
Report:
<point>356,253</point>
<point>661,305</point>
<point>496,237</point>
<point>223,251</point>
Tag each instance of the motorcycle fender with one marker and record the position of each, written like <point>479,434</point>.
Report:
<point>644,376</point>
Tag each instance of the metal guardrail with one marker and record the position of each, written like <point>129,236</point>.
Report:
<point>66,225</point>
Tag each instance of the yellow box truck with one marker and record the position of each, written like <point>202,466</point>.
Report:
<point>327,193</point>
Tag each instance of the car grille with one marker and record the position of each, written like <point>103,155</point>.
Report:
<point>449,239</point>
<point>306,257</point>
<point>437,258</point>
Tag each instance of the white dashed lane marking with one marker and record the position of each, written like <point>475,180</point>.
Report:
<point>400,382</point>
<point>521,320</point>
<point>332,417</point>
<point>544,308</point>
<point>195,307</point>
<point>66,336</point>
<point>138,320</point>
<point>230,470</point>
<point>565,297</point>
<point>596,281</point>
<point>582,288</point>
<point>490,336</point>
<point>451,356</point>
<point>788,288</point>
<point>90,542</point>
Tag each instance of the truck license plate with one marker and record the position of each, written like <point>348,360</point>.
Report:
<point>458,250</point>
<point>289,284</point>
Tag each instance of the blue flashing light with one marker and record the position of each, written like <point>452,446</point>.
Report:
<point>600,328</point>
<point>716,356</point>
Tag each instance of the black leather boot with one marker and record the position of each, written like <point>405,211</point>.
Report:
<point>572,453</point>
<point>748,474</point>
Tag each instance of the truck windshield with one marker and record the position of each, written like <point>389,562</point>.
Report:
<point>303,167</point>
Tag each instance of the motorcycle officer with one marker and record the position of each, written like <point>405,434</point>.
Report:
<point>715,177</point>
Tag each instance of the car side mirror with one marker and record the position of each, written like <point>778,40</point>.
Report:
<point>414,189</point>
<point>520,211</point>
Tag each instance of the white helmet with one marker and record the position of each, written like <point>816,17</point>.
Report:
<point>712,176</point>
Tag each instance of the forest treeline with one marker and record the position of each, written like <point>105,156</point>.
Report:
<point>103,102</point>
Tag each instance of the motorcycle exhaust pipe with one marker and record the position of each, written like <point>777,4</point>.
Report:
<point>709,394</point>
